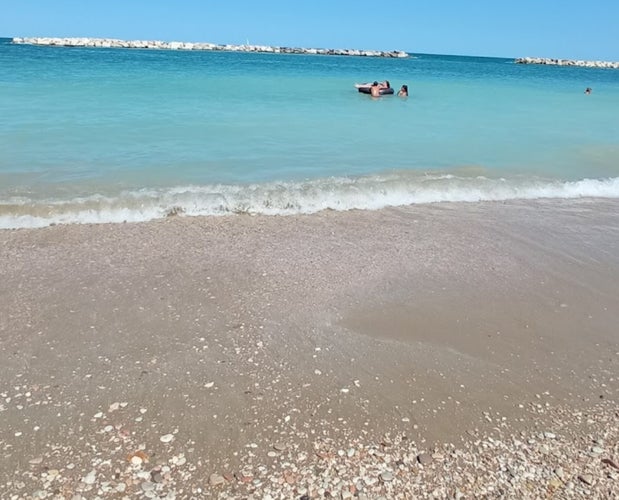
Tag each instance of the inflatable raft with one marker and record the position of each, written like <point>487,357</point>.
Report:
<point>366,88</point>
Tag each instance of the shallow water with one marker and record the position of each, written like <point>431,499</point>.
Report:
<point>108,135</point>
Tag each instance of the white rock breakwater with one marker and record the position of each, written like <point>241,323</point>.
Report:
<point>161,45</point>
<point>568,62</point>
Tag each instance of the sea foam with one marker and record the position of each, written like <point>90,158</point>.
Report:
<point>292,198</point>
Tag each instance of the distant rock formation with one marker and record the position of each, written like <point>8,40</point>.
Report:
<point>159,45</point>
<point>567,62</point>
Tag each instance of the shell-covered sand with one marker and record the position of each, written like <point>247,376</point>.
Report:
<point>455,350</point>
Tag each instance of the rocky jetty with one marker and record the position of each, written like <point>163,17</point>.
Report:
<point>568,62</point>
<point>161,45</point>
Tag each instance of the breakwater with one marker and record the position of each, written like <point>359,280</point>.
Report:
<point>568,62</point>
<point>162,45</point>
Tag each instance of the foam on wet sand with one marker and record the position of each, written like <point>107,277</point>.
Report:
<point>456,349</point>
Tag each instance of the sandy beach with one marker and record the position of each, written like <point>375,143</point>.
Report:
<point>462,350</point>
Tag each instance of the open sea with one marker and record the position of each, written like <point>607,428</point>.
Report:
<point>113,135</point>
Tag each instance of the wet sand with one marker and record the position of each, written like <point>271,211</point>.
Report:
<point>201,346</point>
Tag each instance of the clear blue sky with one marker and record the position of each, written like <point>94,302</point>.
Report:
<point>583,29</point>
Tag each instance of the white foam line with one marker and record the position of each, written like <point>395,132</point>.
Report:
<point>290,198</point>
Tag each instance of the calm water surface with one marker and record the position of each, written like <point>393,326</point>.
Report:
<point>108,135</point>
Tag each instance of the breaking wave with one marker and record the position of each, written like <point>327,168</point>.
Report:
<point>290,198</point>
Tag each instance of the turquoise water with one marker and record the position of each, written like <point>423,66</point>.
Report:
<point>108,135</point>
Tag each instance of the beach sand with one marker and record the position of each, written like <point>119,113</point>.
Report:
<point>453,348</point>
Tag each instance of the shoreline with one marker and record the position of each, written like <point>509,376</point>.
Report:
<point>225,356</point>
<point>201,46</point>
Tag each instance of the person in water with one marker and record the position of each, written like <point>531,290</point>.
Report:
<point>375,89</point>
<point>588,90</point>
<point>403,92</point>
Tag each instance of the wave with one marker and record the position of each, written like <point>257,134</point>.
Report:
<point>291,198</point>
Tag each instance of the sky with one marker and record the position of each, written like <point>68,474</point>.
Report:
<point>567,29</point>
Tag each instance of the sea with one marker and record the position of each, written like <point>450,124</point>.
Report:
<point>96,135</point>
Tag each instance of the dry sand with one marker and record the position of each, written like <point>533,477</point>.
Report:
<point>465,350</point>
